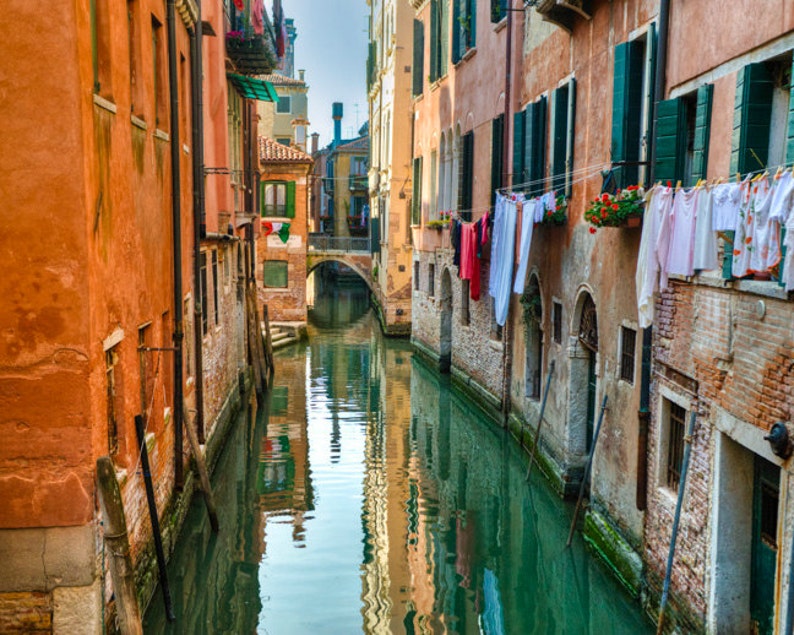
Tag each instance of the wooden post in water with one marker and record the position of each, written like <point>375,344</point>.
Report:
<point>586,475</point>
<point>201,466</point>
<point>268,340</point>
<point>540,420</point>
<point>253,340</point>
<point>114,528</point>
<point>158,540</point>
<point>676,520</point>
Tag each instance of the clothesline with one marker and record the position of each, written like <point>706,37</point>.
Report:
<point>581,174</point>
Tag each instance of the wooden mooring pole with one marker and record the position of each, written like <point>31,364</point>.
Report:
<point>268,340</point>
<point>540,421</point>
<point>117,543</point>
<point>158,540</point>
<point>201,466</point>
<point>586,475</point>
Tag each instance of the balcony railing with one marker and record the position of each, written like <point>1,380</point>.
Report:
<point>323,242</point>
<point>251,54</point>
<point>359,182</point>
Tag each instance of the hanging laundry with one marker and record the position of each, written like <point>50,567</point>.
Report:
<point>743,238</point>
<point>469,262</point>
<point>652,256</point>
<point>455,238</point>
<point>548,203</point>
<point>782,211</point>
<point>726,198</point>
<point>682,232</point>
<point>502,254</point>
<point>482,235</point>
<point>239,5</point>
<point>765,252</point>
<point>527,226</point>
<point>705,256</point>
<point>257,9</point>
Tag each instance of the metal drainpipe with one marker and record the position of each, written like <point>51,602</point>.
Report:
<point>199,226</point>
<point>507,332</point>
<point>644,413</point>
<point>176,221</point>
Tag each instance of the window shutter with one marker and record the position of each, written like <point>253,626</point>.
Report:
<point>559,131</point>
<point>497,126</point>
<point>570,136</point>
<point>535,146</point>
<point>790,136</point>
<point>498,10</point>
<point>419,57</point>
<point>518,147</point>
<point>670,139</point>
<point>458,35</point>
<point>444,37</point>
<point>751,119</point>
<point>290,199</point>
<point>416,196</point>
<point>700,155</point>
<point>374,237</point>
<point>626,110</point>
<point>434,62</point>
<point>471,27</point>
<point>468,176</point>
<point>262,198</point>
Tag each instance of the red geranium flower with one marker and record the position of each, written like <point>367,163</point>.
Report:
<point>592,230</point>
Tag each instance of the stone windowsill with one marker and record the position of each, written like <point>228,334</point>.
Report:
<point>105,104</point>
<point>502,24</point>
<point>466,56</point>
<point>765,288</point>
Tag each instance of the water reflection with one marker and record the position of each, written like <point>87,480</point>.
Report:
<point>372,498</point>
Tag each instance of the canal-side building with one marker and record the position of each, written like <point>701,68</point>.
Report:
<point>458,89</point>
<point>390,108</point>
<point>723,351</point>
<point>104,310</point>
<point>283,233</point>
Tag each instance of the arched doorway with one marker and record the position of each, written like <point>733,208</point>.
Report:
<point>532,303</point>
<point>445,339</point>
<point>584,376</point>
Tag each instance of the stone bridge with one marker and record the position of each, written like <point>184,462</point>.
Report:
<point>349,250</point>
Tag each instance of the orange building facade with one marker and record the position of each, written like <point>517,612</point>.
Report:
<point>103,318</point>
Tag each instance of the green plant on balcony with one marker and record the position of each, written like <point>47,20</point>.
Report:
<point>616,210</point>
<point>445,218</point>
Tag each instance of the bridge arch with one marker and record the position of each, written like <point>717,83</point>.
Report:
<point>360,263</point>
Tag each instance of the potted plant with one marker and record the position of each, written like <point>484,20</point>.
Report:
<point>623,209</point>
<point>440,223</point>
<point>558,215</point>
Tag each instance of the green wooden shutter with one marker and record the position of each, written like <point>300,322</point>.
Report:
<point>458,36</point>
<point>290,200</point>
<point>497,126</point>
<point>467,179</point>
<point>498,10</point>
<point>419,57</point>
<point>518,147</point>
<point>275,273</point>
<point>262,198</point>
<point>570,136</point>
<point>700,153</point>
<point>790,136</point>
<point>535,147</point>
<point>559,140</point>
<point>434,61</point>
<point>751,119</point>
<point>627,109</point>
<point>471,29</point>
<point>416,200</point>
<point>374,234</point>
<point>670,140</point>
<point>444,37</point>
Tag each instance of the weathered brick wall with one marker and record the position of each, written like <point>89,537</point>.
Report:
<point>26,612</point>
<point>474,351</point>
<point>719,349</point>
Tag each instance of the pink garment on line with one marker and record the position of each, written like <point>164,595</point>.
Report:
<point>469,262</point>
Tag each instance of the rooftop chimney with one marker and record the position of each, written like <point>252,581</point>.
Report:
<point>315,142</point>
<point>337,117</point>
<point>301,74</point>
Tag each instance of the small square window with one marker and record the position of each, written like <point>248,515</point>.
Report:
<point>556,317</point>
<point>628,343</point>
<point>284,104</point>
<point>275,274</point>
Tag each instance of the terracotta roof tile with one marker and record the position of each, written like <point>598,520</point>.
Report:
<point>281,80</point>
<point>271,151</point>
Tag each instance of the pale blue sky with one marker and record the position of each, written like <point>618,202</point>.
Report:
<point>332,47</point>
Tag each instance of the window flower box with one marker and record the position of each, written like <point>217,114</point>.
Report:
<point>559,215</point>
<point>623,209</point>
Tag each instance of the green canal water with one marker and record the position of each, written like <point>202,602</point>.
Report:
<point>367,496</point>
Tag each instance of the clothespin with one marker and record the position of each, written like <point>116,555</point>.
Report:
<point>779,172</point>
<point>738,177</point>
<point>699,183</point>
<point>677,185</point>
<point>669,184</point>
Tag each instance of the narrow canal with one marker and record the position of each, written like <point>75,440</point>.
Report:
<point>367,496</point>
